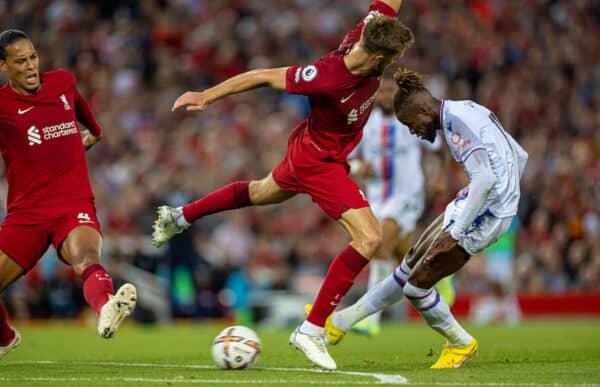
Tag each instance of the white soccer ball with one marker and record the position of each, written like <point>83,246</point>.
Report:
<point>236,348</point>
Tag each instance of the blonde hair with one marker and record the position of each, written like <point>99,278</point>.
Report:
<point>386,35</point>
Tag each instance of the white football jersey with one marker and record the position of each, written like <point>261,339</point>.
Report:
<point>467,127</point>
<point>395,156</point>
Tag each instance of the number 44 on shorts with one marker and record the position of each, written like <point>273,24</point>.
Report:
<point>84,217</point>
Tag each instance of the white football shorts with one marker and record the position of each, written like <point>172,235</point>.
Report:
<point>484,231</point>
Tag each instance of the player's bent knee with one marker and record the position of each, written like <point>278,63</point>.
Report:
<point>370,242</point>
<point>84,262</point>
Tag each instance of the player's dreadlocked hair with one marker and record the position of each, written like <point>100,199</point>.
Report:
<point>8,37</point>
<point>410,88</point>
<point>386,35</point>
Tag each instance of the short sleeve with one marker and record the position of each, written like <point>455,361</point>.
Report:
<point>312,79</point>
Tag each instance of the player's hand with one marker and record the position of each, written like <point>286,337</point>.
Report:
<point>194,101</point>
<point>89,140</point>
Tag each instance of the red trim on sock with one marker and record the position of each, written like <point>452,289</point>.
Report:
<point>232,196</point>
<point>339,279</point>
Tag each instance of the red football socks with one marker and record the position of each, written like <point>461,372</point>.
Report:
<point>97,285</point>
<point>340,277</point>
<point>6,332</point>
<point>234,195</point>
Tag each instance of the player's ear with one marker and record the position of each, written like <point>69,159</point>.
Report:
<point>3,65</point>
<point>378,58</point>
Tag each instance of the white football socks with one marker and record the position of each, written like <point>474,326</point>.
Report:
<point>386,292</point>
<point>378,271</point>
<point>311,329</point>
<point>436,312</point>
<point>181,221</point>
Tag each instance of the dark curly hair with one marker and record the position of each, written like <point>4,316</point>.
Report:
<point>8,37</point>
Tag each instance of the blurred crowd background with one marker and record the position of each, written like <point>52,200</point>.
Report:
<point>533,62</point>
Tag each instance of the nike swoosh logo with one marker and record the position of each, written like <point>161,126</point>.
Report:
<point>24,110</point>
<point>343,100</point>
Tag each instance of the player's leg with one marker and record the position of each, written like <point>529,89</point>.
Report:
<point>365,232</point>
<point>240,194</point>
<point>9,272</point>
<point>385,293</point>
<point>81,250</point>
<point>340,197</point>
<point>435,265</point>
<point>379,268</point>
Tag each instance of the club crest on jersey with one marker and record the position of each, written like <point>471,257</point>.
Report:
<point>309,73</point>
<point>33,135</point>
<point>64,100</point>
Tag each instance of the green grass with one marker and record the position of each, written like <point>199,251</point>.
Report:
<point>553,352</point>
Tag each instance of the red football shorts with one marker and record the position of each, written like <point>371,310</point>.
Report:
<point>25,236</point>
<point>307,169</point>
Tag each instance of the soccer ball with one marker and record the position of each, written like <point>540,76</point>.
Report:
<point>236,348</point>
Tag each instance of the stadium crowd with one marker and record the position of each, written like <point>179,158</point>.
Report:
<point>533,62</point>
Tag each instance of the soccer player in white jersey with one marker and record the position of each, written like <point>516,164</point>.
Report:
<point>388,158</point>
<point>476,218</point>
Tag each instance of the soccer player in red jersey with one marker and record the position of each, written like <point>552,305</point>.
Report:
<point>50,199</point>
<point>341,87</point>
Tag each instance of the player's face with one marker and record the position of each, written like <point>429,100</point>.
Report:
<point>420,122</point>
<point>22,66</point>
<point>385,96</point>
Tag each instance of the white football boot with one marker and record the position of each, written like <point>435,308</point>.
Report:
<point>314,349</point>
<point>117,308</point>
<point>165,226</point>
<point>12,345</point>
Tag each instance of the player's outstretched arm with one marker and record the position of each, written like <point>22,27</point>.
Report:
<point>482,179</point>
<point>394,4</point>
<point>198,101</point>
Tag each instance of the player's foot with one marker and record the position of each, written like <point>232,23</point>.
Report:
<point>14,343</point>
<point>333,334</point>
<point>454,357</point>
<point>314,349</point>
<point>117,308</point>
<point>367,327</point>
<point>165,226</point>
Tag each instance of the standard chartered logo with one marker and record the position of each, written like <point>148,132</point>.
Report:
<point>33,135</point>
<point>60,130</point>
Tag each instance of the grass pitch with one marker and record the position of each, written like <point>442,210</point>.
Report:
<point>534,353</point>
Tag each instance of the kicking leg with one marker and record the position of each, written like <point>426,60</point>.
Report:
<point>172,221</point>
<point>81,250</point>
<point>387,292</point>
<point>444,257</point>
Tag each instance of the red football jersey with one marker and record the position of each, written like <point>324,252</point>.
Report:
<point>340,101</point>
<point>42,148</point>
